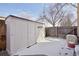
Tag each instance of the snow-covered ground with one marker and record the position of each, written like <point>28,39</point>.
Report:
<point>77,50</point>
<point>48,47</point>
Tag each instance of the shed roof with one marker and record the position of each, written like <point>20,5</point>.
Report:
<point>22,19</point>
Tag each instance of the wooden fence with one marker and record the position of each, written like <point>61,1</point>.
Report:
<point>2,35</point>
<point>60,31</point>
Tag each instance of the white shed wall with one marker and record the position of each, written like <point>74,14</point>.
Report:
<point>22,33</point>
<point>41,33</point>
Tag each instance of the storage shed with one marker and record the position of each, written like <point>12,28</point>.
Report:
<point>22,33</point>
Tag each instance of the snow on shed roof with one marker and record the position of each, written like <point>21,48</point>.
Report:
<point>22,19</point>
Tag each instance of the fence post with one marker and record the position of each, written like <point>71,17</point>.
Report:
<point>57,31</point>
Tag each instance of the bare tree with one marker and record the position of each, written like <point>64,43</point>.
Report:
<point>74,5</point>
<point>54,13</point>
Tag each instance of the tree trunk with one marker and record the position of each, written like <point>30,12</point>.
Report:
<point>53,24</point>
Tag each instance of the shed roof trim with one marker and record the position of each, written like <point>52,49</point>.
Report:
<point>22,18</point>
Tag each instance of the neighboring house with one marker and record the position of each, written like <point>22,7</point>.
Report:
<point>47,24</point>
<point>22,33</point>
<point>26,15</point>
<point>65,22</point>
<point>2,18</point>
<point>68,22</point>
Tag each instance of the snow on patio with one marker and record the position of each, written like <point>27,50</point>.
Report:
<point>49,47</point>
